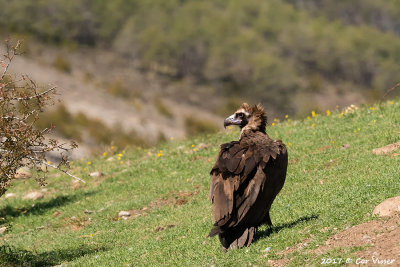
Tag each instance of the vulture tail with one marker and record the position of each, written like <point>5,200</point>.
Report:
<point>214,231</point>
<point>237,237</point>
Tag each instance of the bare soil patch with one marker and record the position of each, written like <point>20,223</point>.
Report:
<point>381,237</point>
<point>386,149</point>
<point>177,199</point>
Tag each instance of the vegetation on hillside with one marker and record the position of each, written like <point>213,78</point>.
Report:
<point>334,181</point>
<point>81,128</point>
<point>268,51</point>
<point>21,143</point>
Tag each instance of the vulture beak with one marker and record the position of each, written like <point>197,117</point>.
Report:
<point>232,120</point>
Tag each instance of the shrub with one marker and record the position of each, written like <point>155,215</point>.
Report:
<point>162,108</point>
<point>62,64</point>
<point>118,89</point>
<point>22,144</point>
<point>195,126</point>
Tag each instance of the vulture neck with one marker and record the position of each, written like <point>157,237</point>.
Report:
<point>248,131</point>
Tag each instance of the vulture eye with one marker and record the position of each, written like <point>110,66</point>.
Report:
<point>240,115</point>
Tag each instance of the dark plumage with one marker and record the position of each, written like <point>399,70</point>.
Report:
<point>245,179</point>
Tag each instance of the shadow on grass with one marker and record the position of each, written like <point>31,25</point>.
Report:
<point>11,256</point>
<point>40,207</point>
<point>275,229</point>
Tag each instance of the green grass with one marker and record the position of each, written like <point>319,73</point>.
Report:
<point>326,186</point>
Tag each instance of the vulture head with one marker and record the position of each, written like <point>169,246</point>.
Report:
<point>248,118</point>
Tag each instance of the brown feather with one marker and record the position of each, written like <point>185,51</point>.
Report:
<point>245,180</point>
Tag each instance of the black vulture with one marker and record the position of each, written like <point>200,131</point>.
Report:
<point>246,178</point>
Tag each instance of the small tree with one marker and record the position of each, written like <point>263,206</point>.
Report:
<point>21,143</point>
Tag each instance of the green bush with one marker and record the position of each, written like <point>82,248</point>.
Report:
<point>74,126</point>
<point>62,64</point>
<point>117,88</point>
<point>162,108</point>
<point>196,126</point>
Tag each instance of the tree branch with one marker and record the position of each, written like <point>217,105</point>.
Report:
<point>32,97</point>
<point>64,171</point>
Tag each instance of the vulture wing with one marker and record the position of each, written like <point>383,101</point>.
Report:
<point>245,179</point>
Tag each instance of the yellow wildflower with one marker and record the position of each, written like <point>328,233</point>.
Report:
<point>308,118</point>
<point>312,125</point>
<point>104,154</point>
<point>341,115</point>
<point>192,145</point>
<point>122,162</point>
<point>313,114</point>
<point>328,113</point>
<point>286,116</point>
<point>273,124</point>
<point>372,108</point>
<point>89,162</point>
<point>159,155</point>
<point>358,129</point>
<point>171,138</point>
<point>230,127</point>
<point>119,158</point>
<point>374,121</point>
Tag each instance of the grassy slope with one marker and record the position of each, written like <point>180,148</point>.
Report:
<point>317,194</point>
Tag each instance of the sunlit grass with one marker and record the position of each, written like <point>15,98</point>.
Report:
<point>327,187</point>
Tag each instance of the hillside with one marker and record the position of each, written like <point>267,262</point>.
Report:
<point>145,72</point>
<point>334,182</point>
<point>289,55</point>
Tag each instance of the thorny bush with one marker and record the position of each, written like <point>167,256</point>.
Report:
<point>21,143</point>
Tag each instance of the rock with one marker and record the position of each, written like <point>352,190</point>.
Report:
<point>96,174</point>
<point>345,146</point>
<point>388,207</point>
<point>386,149</point>
<point>33,195</point>
<point>23,173</point>
<point>124,214</point>
<point>202,146</point>
<point>350,109</point>
<point>88,211</point>
<point>3,230</point>
<point>56,213</point>
<point>267,249</point>
<point>9,195</point>
<point>76,184</point>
